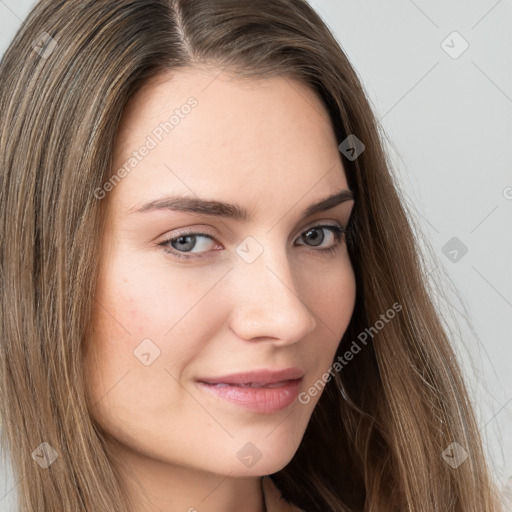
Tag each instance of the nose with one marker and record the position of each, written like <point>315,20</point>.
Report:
<point>267,302</point>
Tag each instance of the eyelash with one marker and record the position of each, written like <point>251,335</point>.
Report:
<point>336,230</point>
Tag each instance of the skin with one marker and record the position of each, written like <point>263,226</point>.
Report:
<point>266,145</point>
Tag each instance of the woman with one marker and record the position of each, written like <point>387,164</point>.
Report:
<point>212,298</point>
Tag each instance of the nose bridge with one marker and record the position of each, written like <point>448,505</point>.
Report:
<point>268,303</point>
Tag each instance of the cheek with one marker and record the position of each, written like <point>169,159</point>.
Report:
<point>146,321</point>
<point>331,298</point>
<point>131,365</point>
<point>136,302</point>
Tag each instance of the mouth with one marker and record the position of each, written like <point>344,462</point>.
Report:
<point>250,384</point>
<point>257,378</point>
<point>258,395</point>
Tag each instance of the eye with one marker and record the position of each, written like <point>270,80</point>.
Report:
<point>191,242</point>
<point>186,242</point>
<point>316,236</point>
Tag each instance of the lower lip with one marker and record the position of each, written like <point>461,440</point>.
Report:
<point>262,399</point>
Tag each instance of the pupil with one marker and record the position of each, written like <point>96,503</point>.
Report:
<point>181,242</point>
<point>317,239</point>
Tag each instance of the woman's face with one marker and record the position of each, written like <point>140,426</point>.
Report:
<point>187,296</point>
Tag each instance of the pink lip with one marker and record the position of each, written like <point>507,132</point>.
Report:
<point>273,391</point>
<point>261,399</point>
<point>257,377</point>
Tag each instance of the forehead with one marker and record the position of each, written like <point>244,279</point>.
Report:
<point>212,134</point>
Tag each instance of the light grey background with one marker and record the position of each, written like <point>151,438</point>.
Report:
<point>448,122</point>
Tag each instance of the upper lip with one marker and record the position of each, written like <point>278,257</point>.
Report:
<point>257,377</point>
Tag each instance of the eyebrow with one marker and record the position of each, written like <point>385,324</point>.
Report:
<point>197,205</point>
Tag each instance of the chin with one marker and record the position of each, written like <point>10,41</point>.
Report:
<point>264,457</point>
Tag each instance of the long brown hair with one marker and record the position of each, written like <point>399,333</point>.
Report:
<point>377,435</point>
